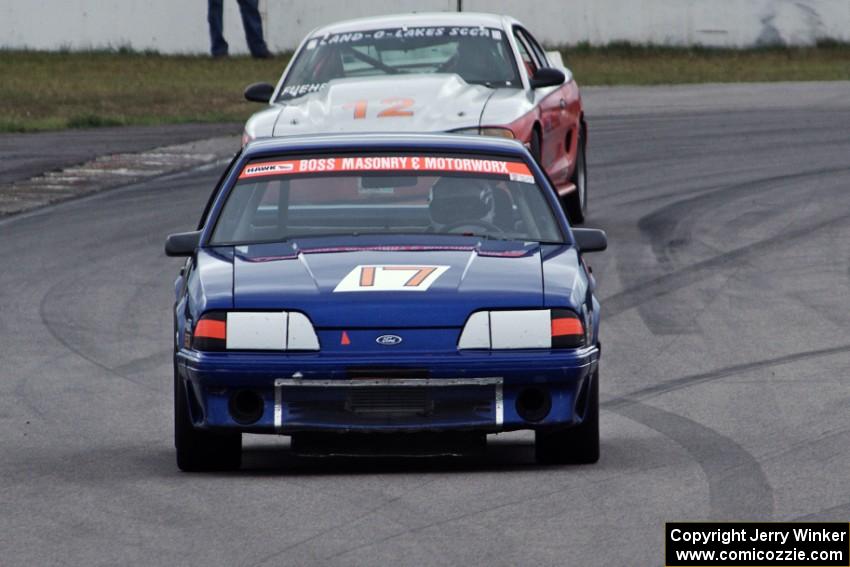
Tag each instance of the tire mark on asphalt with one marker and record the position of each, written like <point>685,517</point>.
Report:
<point>738,488</point>
<point>838,513</point>
<point>626,168</point>
<point>658,226</point>
<point>160,356</point>
<point>660,286</point>
<point>22,395</point>
<point>662,222</point>
<point>265,559</point>
<point>693,379</point>
<point>48,324</point>
<point>466,515</point>
<point>150,361</point>
<point>833,437</point>
<point>662,225</point>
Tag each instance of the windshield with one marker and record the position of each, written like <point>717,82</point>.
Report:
<point>280,199</point>
<point>480,55</point>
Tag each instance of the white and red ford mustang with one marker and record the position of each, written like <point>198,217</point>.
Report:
<point>442,72</point>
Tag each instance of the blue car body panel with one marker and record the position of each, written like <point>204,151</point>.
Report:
<point>472,282</point>
<point>469,389</point>
<point>212,377</point>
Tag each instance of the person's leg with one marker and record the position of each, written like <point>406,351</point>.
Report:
<point>253,24</point>
<point>215,17</point>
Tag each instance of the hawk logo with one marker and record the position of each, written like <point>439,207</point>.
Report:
<point>267,168</point>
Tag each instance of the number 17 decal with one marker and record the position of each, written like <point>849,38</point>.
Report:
<point>390,278</point>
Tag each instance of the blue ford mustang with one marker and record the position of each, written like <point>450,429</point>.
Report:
<point>344,285</point>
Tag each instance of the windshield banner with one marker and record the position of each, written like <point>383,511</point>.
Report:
<point>371,36</point>
<point>515,171</point>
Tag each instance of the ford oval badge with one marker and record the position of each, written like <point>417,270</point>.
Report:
<point>388,340</point>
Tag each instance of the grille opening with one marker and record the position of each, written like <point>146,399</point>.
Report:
<point>387,405</point>
<point>389,401</point>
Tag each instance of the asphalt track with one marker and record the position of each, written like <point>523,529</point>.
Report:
<point>726,369</point>
<point>28,155</point>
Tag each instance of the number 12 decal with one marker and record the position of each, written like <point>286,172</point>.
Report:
<point>390,278</point>
<point>394,108</point>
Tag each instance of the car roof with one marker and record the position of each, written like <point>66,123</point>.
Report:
<point>391,141</point>
<point>415,19</point>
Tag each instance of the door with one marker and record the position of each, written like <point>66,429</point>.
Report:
<point>555,112</point>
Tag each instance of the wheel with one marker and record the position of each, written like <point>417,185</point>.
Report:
<point>576,202</point>
<point>199,450</point>
<point>576,445</point>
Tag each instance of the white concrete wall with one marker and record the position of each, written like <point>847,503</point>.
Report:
<point>721,23</point>
<point>179,26</point>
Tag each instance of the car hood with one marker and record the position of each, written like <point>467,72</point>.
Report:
<point>419,103</point>
<point>505,106</point>
<point>308,278</point>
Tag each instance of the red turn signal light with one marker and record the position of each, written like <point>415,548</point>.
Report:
<point>567,329</point>
<point>211,332</point>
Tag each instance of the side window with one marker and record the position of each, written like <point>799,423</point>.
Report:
<point>535,47</point>
<point>215,191</point>
<point>528,59</point>
<point>254,212</point>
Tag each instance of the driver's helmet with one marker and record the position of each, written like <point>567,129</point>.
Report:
<point>455,200</point>
<point>474,60</point>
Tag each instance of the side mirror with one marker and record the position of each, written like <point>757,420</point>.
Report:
<point>556,60</point>
<point>182,243</point>
<point>259,92</point>
<point>590,239</point>
<point>547,77</point>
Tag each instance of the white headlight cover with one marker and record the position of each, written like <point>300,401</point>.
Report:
<point>476,333</point>
<point>270,330</point>
<point>256,330</point>
<point>302,335</point>
<point>521,329</point>
<point>502,330</point>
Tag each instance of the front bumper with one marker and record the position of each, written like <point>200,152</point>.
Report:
<point>474,391</point>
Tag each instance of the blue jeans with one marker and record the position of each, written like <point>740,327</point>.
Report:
<point>251,21</point>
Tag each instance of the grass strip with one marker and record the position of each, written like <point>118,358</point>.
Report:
<point>57,90</point>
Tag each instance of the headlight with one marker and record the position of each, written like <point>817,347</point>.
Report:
<point>498,132</point>
<point>538,328</point>
<point>490,131</point>
<point>254,330</point>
